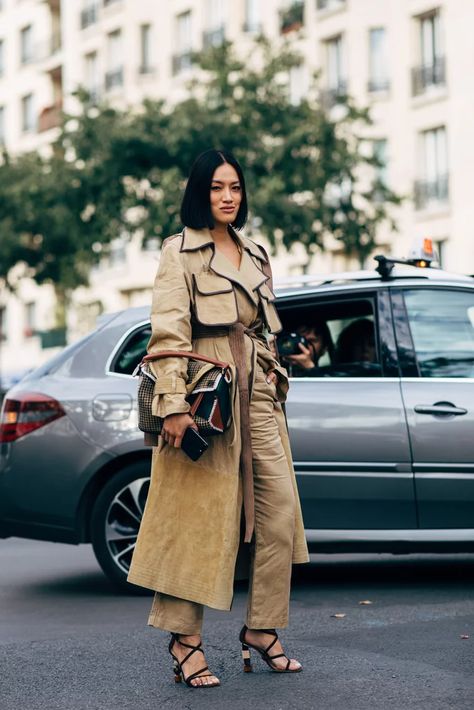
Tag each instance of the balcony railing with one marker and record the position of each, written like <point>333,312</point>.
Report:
<point>292,17</point>
<point>113,78</point>
<point>379,84</point>
<point>181,61</point>
<point>334,94</point>
<point>214,37</point>
<point>427,192</point>
<point>89,16</point>
<point>329,4</point>
<point>50,117</point>
<point>428,75</point>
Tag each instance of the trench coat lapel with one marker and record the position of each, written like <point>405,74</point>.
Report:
<point>250,274</point>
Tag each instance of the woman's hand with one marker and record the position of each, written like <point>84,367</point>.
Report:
<point>174,427</point>
<point>271,376</point>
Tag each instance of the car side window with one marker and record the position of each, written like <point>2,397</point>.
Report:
<point>442,327</point>
<point>341,336</point>
<point>131,352</point>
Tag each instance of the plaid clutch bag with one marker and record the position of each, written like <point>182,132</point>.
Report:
<point>208,384</point>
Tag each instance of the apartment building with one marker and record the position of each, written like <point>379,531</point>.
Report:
<point>409,61</point>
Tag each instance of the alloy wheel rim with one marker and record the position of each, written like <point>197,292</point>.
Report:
<point>123,519</point>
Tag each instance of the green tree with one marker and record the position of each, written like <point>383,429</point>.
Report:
<point>112,172</point>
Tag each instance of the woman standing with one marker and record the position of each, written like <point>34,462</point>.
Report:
<point>211,296</point>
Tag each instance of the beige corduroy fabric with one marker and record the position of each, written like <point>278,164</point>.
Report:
<point>191,527</point>
<point>271,552</point>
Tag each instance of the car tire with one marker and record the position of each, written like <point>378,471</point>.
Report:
<point>115,520</point>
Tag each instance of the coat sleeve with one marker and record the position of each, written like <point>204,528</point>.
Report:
<point>170,330</point>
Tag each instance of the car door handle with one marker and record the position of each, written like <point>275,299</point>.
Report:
<point>440,409</point>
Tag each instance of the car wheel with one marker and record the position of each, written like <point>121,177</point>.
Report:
<point>115,520</point>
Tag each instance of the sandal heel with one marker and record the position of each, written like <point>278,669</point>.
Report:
<point>246,658</point>
<point>177,673</point>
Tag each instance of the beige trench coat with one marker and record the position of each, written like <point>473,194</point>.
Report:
<point>190,532</point>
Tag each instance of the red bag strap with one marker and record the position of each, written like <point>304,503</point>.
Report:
<point>184,353</point>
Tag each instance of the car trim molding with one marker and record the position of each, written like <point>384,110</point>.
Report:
<point>344,379</point>
<point>444,380</point>
<point>362,467</point>
<point>426,535</point>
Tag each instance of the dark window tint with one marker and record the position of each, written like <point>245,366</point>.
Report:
<point>340,334</point>
<point>131,352</point>
<point>442,327</point>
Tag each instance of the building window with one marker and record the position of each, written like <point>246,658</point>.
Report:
<point>432,188</point>
<point>298,83</point>
<point>2,126</point>
<point>292,16</point>
<point>28,118</point>
<point>431,70</point>
<point>3,326</point>
<point>2,57</point>
<point>182,59</point>
<point>378,64</point>
<point>89,14</point>
<point>330,4</point>
<point>114,73</point>
<point>336,83</point>
<point>253,16</point>
<point>91,73</point>
<point>26,45</point>
<point>440,247</point>
<point>379,151</point>
<point>214,35</point>
<point>145,49</point>
<point>117,252</point>
<point>30,319</point>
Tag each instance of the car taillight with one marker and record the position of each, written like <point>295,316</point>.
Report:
<point>27,412</point>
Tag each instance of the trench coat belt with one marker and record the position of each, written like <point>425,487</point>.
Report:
<point>236,333</point>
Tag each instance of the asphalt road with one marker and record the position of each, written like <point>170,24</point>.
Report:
<point>68,642</point>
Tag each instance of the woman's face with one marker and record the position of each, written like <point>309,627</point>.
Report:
<point>226,194</point>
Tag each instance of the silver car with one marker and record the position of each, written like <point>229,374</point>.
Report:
<point>383,444</point>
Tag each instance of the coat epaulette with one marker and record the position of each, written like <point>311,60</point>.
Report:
<point>170,239</point>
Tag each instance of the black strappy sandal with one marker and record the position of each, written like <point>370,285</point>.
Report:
<point>178,666</point>
<point>264,653</point>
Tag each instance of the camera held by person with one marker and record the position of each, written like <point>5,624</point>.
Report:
<point>302,348</point>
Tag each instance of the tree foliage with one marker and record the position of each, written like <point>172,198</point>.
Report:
<point>112,172</point>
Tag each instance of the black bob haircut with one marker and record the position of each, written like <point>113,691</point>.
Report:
<point>196,204</point>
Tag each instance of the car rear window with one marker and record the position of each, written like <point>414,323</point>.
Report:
<point>131,351</point>
<point>442,328</point>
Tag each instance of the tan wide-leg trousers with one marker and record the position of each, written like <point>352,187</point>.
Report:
<point>270,570</point>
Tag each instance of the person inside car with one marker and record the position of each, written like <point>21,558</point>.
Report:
<point>318,337</point>
<point>356,343</point>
